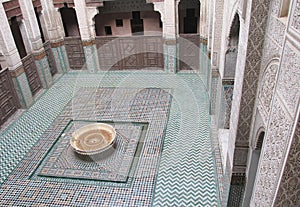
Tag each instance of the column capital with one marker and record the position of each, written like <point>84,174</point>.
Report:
<point>17,72</point>
<point>57,43</point>
<point>88,42</point>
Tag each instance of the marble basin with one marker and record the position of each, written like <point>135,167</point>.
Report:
<point>93,138</point>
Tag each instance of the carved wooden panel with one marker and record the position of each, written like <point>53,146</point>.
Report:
<point>12,8</point>
<point>8,97</point>
<point>50,57</point>
<point>108,53</point>
<point>60,3</point>
<point>75,53</point>
<point>94,3</point>
<point>289,189</point>
<point>32,74</point>
<point>130,53</point>
<point>37,4</point>
<point>152,54</point>
<point>189,51</point>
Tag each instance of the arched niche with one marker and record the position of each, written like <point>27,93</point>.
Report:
<point>232,49</point>
<point>254,161</point>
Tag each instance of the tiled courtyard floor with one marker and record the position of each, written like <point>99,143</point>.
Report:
<point>164,154</point>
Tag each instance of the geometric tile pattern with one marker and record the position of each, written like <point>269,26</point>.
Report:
<point>176,163</point>
<point>185,173</point>
<point>137,104</point>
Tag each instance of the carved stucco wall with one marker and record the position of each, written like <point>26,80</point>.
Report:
<point>249,83</point>
<point>276,152</point>
<point>266,91</point>
<point>289,190</point>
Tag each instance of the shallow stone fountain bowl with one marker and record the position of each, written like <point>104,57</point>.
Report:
<point>93,138</point>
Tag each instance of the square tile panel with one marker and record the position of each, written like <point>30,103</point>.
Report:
<point>112,165</point>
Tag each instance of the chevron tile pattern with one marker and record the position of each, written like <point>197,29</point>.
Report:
<point>187,172</point>
<point>182,172</point>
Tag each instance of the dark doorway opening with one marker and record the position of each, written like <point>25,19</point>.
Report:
<point>137,24</point>
<point>253,168</point>
<point>18,37</point>
<point>232,49</point>
<point>37,15</point>
<point>190,22</point>
<point>70,22</point>
<point>108,30</point>
<point>189,15</point>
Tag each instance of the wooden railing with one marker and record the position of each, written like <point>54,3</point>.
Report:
<point>51,59</point>
<point>8,98</point>
<point>130,53</point>
<point>75,53</point>
<point>32,74</point>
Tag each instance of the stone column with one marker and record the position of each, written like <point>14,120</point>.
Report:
<point>88,38</point>
<point>55,33</point>
<point>169,33</point>
<point>36,43</point>
<point>203,19</point>
<point>13,61</point>
<point>217,33</point>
